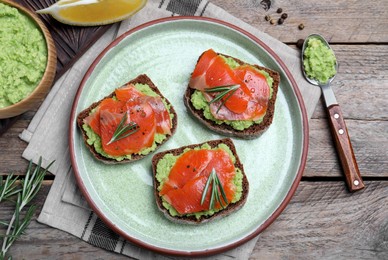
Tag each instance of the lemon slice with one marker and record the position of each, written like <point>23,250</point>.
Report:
<point>92,12</point>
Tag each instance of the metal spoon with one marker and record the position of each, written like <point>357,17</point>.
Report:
<point>337,125</point>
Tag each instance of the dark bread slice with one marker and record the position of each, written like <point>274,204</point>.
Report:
<point>142,79</point>
<point>249,133</point>
<point>232,207</point>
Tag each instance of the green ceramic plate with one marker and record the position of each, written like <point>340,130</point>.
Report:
<point>167,50</point>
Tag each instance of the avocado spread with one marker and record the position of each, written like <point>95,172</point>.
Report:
<point>165,165</point>
<point>319,61</point>
<point>95,140</point>
<point>199,102</point>
<point>23,55</point>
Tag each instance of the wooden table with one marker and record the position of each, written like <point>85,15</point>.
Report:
<point>323,220</point>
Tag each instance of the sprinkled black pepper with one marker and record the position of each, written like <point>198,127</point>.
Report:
<point>280,21</point>
<point>301,26</point>
<point>284,16</point>
<point>279,11</point>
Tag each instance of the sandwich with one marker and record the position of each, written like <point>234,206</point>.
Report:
<point>199,183</point>
<point>231,97</point>
<point>130,123</point>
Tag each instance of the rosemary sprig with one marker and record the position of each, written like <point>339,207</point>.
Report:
<point>215,192</point>
<point>123,130</point>
<point>223,91</point>
<point>8,189</point>
<point>30,187</point>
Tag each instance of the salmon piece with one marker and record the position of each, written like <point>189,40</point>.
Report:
<point>184,187</point>
<point>258,86</point>
<point>139,113</point>
<point>203,63</point>
<point>149,113</point>
<point>128,92</point>
<point>248,102</point>
<point>162,116</point>
<point>163,121</point>
<point>180,173</point>
<point>212,71</point>
<point>93,120</point>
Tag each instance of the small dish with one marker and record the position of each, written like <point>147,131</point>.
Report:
<point>45,83</point>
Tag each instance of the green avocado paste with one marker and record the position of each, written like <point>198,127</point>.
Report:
<point>199,102</point>
<point>23,55</point>
<point>165,165</point>
<point>319,61</point>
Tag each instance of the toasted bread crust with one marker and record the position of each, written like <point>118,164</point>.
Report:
<point>142,79</point>
<point>203,219</point>
<point>249,133</point>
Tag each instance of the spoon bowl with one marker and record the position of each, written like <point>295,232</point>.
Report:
<point>337,122</point>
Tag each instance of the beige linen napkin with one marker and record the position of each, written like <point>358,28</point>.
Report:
<point>47,134</point>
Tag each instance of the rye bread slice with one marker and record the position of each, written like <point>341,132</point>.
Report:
<point>249,133</point>
<point>142,79</point>
<point>232,207</point>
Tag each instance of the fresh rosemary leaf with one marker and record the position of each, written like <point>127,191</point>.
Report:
<point>209,179</point>
<point>215,192</point>
<point>8,189</point>
<point>124,130</point>
<point>227,90</point>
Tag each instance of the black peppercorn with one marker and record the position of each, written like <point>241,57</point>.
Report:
<point>279,11</point>
<point>284,16</point>
<point>280,21</point>
<point>301,26</point>
<point>267,17</point>
<point>299,44</point>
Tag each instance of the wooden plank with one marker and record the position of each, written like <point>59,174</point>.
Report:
<point>339,21</point>
<point>322,220</point>
<point>12,147</point>
<point>369,140</point>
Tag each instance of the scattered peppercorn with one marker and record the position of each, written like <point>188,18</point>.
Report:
<point>279,11</point>
<point>280,21</point>
<point>267,17</point>
<point>284,16</point>
<point>299,44</point>
<point>301,26</point>
<point>272,21</point>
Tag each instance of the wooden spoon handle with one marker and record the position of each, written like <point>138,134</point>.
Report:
<point>345,149</point>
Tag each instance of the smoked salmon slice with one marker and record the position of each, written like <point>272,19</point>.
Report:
<point>188,177</point>
<point>248,102</point>
<point>148,112</point>
<point>141,114</point>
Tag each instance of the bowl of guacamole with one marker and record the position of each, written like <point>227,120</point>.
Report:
<point>27,60</point>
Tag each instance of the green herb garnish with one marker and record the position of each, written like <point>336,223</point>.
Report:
<point>124,130</point>
<point>216,189</point>
<point>223,91</point>
<point>9,188</point>
<point>30,186</point>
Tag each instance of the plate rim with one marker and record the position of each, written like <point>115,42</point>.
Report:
<point>270,219</point>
